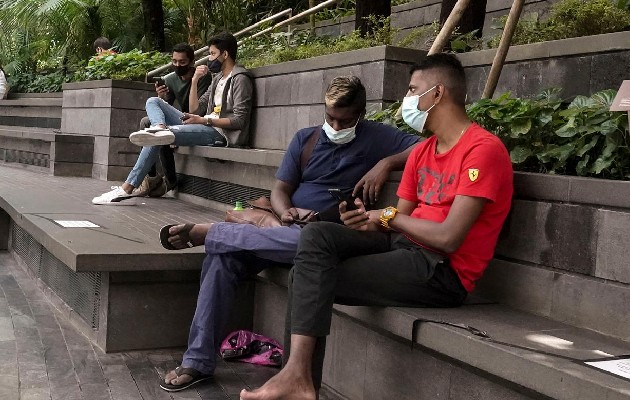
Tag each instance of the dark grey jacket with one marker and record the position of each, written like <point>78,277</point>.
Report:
<point>238,99</point>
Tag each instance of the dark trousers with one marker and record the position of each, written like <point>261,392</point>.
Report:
<point>167,159</point>
<point>341,265</point>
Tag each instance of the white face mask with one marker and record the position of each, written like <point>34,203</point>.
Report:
<point>342,136</point>
<point>412,116</point>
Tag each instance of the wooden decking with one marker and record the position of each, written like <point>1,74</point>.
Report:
<point>43,357</point>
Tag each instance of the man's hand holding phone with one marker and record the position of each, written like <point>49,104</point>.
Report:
<point>188,119</point>
<point>160,87</point>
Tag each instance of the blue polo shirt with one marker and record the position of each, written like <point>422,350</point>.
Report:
<point>338,166</point>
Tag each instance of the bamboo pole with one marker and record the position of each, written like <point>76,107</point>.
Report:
<point>504,46</point>
<point>449,27</point>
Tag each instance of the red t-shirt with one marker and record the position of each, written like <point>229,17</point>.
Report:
<point>478,166</point>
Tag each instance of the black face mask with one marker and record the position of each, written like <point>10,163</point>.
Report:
<point>181,70</point>
<point>215,65</point>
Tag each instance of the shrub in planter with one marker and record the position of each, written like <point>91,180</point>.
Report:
<point>569,18</point>
<point>132,65</point>
<point>545,134</point>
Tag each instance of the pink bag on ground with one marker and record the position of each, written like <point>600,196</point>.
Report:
<point>250,347</point>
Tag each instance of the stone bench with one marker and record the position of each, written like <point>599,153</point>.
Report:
<point>369,352</point>
<point>40,110</point>
<point>46,150</point>
<point>116,283</point>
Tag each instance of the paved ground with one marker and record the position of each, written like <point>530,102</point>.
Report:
<point>43,357</point>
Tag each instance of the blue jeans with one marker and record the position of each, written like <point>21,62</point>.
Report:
<point>233,252</point>
<point>160,112</point>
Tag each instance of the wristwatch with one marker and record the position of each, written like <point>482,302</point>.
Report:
<point>208,121</point>
<point>387,215</point>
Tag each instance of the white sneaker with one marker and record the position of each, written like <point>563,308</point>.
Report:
<point>152,137</point>
<point>114,196</point>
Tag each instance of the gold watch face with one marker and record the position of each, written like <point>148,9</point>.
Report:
<point>388,212</point>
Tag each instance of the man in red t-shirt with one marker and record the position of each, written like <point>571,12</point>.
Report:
<point>429,250</point>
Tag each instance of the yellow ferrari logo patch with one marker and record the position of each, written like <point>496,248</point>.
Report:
<point>473,174</point>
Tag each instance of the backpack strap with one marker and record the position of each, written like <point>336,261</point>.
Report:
<point>308,148</point>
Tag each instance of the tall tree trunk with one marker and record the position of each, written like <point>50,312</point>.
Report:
<point>472,19</point>
<point>154,24</point>
<point>365,8</point>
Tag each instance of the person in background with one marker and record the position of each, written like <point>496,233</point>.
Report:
<point>175,89</point>
<point>103,47</point>
<point>4,85</point>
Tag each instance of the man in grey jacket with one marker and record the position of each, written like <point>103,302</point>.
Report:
<point>221,117</point>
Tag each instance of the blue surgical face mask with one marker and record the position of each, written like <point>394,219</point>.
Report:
<point>341,136</point>
<point>412,116</point>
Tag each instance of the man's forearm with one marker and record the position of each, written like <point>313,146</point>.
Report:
<point>280,202</point>
<point>193,102</point>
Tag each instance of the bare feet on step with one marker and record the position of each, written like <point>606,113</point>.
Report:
<point>287,385</point>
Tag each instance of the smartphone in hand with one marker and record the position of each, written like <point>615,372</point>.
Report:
<point>159,81</point>
<point>338,194</point>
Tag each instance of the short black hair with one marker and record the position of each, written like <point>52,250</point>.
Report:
<point>452,73</point>
<point>103,43</point>
<point>185,48</point>
<point>225,42</point>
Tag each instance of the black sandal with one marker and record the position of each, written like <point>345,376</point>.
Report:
<point>193,373</point>
<point>164,235</point>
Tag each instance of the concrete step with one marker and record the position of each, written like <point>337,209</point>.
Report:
<point>528,356</point>
<point>33,102</point>
<point>13,95</point>
<point>42,112</point>
<point>120,284</point>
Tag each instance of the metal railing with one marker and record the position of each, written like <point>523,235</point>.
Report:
<point>204,49</point>
<point>287,21</point>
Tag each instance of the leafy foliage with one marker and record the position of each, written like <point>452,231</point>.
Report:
<point>48,82</point>
<point>545,134</point>
<point>132,65</point>
<point>570,18</point>
<point>297,45</point>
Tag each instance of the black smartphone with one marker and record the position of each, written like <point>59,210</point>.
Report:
<point>338,194</point>
<point>159,81</point>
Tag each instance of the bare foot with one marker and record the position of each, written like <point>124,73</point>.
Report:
<point>172,379</point>
<point>180,235</point>
<point>287,385</point>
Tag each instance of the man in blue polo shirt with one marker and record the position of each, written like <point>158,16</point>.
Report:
<point>349,153</point>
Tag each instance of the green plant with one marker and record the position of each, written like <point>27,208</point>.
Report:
<point>391,116</point>
<point>423,37</point>
<point>41,82</point>
<point>567,19</point>
<point>298,45</point>
<point>132,65</point>
<point>544,134</point>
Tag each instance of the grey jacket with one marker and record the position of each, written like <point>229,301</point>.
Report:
<point>238,99</point>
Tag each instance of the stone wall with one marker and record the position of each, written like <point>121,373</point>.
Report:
<point>562,253</point>
<point>423,12</point>
<point>108,110</point>
<point>580,66</point>
<point>290,96</point>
